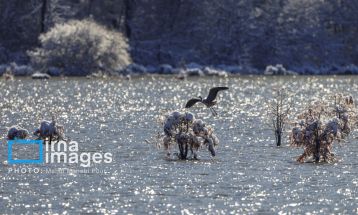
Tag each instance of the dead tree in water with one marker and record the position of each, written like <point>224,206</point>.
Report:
<point>279,108</point>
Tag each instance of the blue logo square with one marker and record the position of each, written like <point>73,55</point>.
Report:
<point>25,161</point>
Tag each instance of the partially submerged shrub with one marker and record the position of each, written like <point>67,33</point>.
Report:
<point>188,133</point>
<point>16,132</point>
<point>82,47</point>
<point>50,130</point>
<point>321,126</point>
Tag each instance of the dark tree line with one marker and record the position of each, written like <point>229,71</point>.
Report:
<point>256,33</point>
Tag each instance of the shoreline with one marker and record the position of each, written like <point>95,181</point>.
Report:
<point>190,70</point>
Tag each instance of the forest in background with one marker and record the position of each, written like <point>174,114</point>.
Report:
<point>299,34</point>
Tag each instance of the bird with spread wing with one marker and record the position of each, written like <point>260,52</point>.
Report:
<point>209,101</point>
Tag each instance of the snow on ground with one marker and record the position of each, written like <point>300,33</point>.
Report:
<point>194,69</point>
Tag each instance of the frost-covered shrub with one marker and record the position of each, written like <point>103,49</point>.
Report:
<point>81,47</point>
<point>279,69</point>
<point>209,71</point>
<point>193,72</point>
<point>270,70</point>
<point>50,130</point>
<point>188,133</point>
<point>321,126</point>
<point>39,75</point>
<point>16,132</point>
<point>202,71</point>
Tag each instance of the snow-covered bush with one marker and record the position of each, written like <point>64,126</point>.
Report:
<point>39,75</point>
<point>81,47</point>
<point>50,130</point>
<point>209,71</point>
<point>193,72</point>
<point>321,126</point>
<point>188,133</point>
<point>16,132</point>
<point>197,70</point>
<point>279,69</point>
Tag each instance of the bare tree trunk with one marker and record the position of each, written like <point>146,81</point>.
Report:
<point>90,7</point>
<point>128,12</point>
<point>318,146</point>
<point>278,137</point>
<point>278,128</point>
<point>43,15</point>
<point>183,148</point>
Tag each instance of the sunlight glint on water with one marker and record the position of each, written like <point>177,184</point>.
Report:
<point>249,174</point>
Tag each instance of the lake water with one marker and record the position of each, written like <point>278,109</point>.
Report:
<point>249,175</point>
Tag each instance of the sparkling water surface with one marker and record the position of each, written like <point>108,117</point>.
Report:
<point>249,175</point>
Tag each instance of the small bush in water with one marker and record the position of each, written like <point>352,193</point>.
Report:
<point>188,133</point>
<point>321,126</point>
